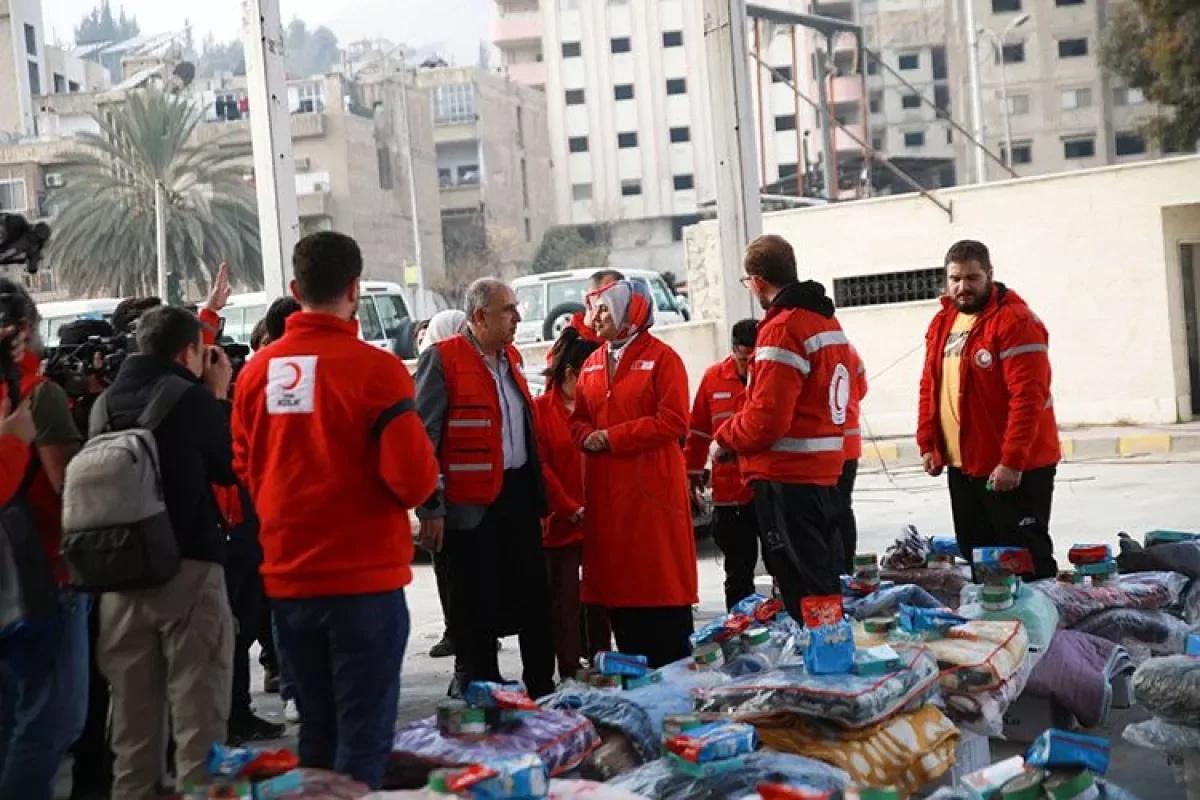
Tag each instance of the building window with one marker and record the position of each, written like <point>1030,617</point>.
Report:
<point>672,38</point>
<point>578,144</point>
<point>678,224</point>
<point>1126,96</point>
<point>684,182</point>
<point>60,84</point>
<point>626,140</point>
<point>1083,147</point>
<point>581,192</point>
<point>72,86</point>
<point>454,103</point>
<point>680,135</point>
<point>914,139</point>
<point>623,92</point>
<point>631,187</point>
<point>677,86</point>
<point>877,143</point>
<point>572,50</point>
<point>1072,48</point>
<point>35,78</point>
<point>1061,3</point>
<point>875,102</point>
<point>445,178</point>
<point>384,161</point>
<point>785,122</point>
<point>1022,153</point>
<point>468,175</point>
<point>1013,53</point>
<point>31,40</point>
<point>941,99</point>
<point>12,195</point>
<point>910,61</point>
<point>620,44</point>
<point>1073,99</point>
<point>787,171</point>
<point>1018,104</point>
<point>872,64</point>
<point>1130,144</point>
<point>574,97</point>
<point>941,70</point>
<point>781,74</point>
<point>1005,6</point>
<point>910,101</point>
<point>888,288</point>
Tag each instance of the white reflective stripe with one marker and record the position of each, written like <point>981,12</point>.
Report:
<point>722,396</point>
<point>701,434</point>
<point>783,356</point>
<point>469,468</point>
<point>695,472</point>
<point>722,415</point>
<point>861,368</point>
<point>1050,401</point>
<point>1023,349</point>
<point>827,444</point>
<point>814,343</point>
<point>852,432</point>
<point>469,423</point>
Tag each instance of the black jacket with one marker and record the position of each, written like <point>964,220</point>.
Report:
<point>195,449</point>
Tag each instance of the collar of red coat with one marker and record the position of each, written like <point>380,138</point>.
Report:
<point>1001,295</point>
<point>729,369</point>
<point>316,321</point>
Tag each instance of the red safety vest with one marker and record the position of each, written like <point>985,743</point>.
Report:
<point>472,447</point>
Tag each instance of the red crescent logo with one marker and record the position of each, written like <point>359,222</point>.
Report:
<point>296,375</point>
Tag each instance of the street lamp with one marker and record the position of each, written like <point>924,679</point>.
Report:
<point>998,41</point>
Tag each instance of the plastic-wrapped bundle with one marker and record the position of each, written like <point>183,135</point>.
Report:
<point>1077,671</point>
<point>886,602</point>
<point>852,701</point>
<point>608,709</point>
<point>1145,590</point>
<point>980,656</point>
<point>909,551</point>
<point>1107,791</point>
<point>1033,609</point>
<point>983,712</point>
<point>1158,734</point>
<point>1189,604</point>
<point>559,790</point>
<point>1170,688</point>
<point>1165,557</point>
<point>660,780</point>
<point>944,584</point>
<point>615,756</point>
<point>1142,633</point>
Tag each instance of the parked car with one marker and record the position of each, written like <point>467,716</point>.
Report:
<point>548,301</point>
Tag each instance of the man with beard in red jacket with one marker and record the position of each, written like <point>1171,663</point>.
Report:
<point>986,412</point>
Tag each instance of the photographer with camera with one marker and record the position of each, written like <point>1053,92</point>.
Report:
<point>43,668</point>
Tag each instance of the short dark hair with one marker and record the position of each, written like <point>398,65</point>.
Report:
<point>130,310</point>
<point>772,259</point>
<point>744,333</point>
<point>569,350</point>
<point>325,264</point>
<point>600,276</point>
<point>968,250</point>
<point>258,336</point>
<point>78,332</point>
<point>167,331</point>
<point>27,308</point>
<point>277,314</point>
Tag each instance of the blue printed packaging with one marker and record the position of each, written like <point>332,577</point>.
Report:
<point>747,605</point>
<point>945,546</point>
<point>925,620</point>
<point>876,660</point>
<point>713,742</point>
<point>279,786</point>
<point>1192,648</point>
<point>1057,748</point>
<point>228,762</point>
<point>610,663</point>
<point>521,776</point>
<point>830,649</point>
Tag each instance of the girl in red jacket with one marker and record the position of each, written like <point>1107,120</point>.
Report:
<point>562,467</point>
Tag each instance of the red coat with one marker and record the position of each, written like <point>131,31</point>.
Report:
<point>638,548</point>
<point>1006,412</point>
<point>858,390</point>
<point>722,394</point>
<point>562,468</point>
<point>14,460</point>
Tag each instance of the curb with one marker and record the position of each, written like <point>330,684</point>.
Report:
<point>903,452</point>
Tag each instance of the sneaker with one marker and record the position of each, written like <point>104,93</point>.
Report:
<point>270,681</point>
<point>291,712</point>
<point>443,649</point>
<point>457,684</point>
<point>254,729</point>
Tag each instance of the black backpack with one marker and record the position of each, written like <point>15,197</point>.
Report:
<point>28,590</point>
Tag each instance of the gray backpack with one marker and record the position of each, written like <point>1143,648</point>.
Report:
<point>116,532</point>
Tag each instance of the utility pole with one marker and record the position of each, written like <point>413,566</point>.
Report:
<point>160,237</point>
<point>976,90</point>
<point>271,137</point>
<point>828,157</point>
<point>410,164</point>
<point>739,215</point>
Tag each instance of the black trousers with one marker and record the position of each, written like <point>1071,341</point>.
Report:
<point>1020,518</point>
<point>660,633</point>
<point>735,530</point>
<point>497,577</point>
<point>92,770</point>
<point>802,546</point>
<point>847,524</point>
<point>244,586</point>
<point>443,587</point>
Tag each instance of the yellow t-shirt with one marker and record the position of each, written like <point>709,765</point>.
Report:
<point>951,381</point>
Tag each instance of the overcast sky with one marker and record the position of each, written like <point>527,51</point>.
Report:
<point>455,26</point>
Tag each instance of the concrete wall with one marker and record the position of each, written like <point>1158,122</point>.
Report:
<point>1092,252</point>
<point>16,97</point>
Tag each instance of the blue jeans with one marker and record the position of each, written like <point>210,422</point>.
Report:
<point>345,654</point>
<point>44,706</point>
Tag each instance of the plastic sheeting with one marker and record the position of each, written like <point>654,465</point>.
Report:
<point>1142,633</point>
<point>886,602</point>
<point>1033,609</point>
<point>1157,734</point>
<point>659,780</point>
<point>1170,688</point>
<point>1144,590</point>
<point>1107,791</point>
<point>980,656</point>
<point>1077,672</point>
<point>559,790</point>
<point>944,584</point>
<point>983,712</point>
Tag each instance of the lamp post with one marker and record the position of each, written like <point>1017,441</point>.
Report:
<point>998,41</point>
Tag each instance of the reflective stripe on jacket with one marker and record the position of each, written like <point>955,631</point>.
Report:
<point>858,386</point>
<point>721,395</point>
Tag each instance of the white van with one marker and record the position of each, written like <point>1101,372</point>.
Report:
<point>548,301</point>
<point>56,315</point>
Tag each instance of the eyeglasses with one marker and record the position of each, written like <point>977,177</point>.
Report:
<point>746,279</point>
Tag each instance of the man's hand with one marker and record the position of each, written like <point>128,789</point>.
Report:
<point>577,517</point>
<point>932,469</point>
<point>1004,479</point>
<point>219,296</point>
<point>696,481</point>
<point>433,533</point>
<point>596,442</point>
<point>19,424</point>
<point>718,453</point>
<point>218,373</point>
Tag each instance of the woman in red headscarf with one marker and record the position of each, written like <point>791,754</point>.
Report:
<point>631,411</point>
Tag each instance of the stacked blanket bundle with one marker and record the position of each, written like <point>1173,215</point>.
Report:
<point>1077,671</point>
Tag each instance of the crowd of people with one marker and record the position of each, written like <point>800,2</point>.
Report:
<point>283,501</point>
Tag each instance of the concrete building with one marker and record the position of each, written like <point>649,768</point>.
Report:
<point>22,65</point>
<point>494,165</point>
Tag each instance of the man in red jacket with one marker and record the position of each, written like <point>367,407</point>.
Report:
<point>789,437</point>
<point>986,412</point>
<point>722,393</point>
<point>327,440</point>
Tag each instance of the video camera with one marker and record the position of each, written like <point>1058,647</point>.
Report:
<point>22,243</point>
<point>100,356</point>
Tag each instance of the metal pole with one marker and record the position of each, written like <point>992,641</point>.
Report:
<point>160,237</point>
<point>801,176</point>
<point>739,213</point>
<point>976,89</point>
<point>412,183</point>
<point>271,137</point>
<point>865,110</point>
<point>1007,111</point>
<point>762,127</point>
<point>827,154</point>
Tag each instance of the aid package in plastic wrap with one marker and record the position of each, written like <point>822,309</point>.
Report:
<point>1169,688</point>
<point>1057,748</point>
<point>980,656</point>
<point>886,601</point>
<point>830,649</point>
<point>660,780</point>
<point>1143,633</point>
<point>521,777</point>
<point>1033,609</point>
<point>928,620</point>
<point>982,712</point>
<point>1144,590</point>
<point>1158,734</point>
<point>713,742</point>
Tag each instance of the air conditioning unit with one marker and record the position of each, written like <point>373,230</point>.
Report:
<point>303,164</point>
<point>319,187</point>
<point>54,180</point>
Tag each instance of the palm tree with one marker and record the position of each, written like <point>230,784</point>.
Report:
<point>104,227</point>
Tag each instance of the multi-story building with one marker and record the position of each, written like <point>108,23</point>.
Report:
<point>22,64</point>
